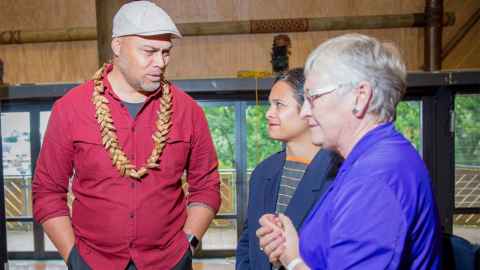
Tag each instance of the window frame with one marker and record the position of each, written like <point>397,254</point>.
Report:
<point>436,91</point>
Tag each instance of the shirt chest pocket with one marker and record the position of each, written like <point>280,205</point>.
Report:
<point>174,159</point>
<point>92,161</point>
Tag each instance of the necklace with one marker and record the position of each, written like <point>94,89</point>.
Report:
<point>109,133</point>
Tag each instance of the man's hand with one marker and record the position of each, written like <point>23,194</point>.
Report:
<point>199,217</point>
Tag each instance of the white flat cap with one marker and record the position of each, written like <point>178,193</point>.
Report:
<point>143,18</point>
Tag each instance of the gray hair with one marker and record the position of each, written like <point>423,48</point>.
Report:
<point>296,79</point>
<point>352,58</point>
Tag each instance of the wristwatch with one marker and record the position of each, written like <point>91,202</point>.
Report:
<point>193,241</point>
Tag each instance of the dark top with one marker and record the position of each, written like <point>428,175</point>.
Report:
<point>264,187</point>
<point>133,108</point>
<point>292,174</point>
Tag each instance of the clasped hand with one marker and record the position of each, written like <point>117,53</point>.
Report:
<point>278,238</point>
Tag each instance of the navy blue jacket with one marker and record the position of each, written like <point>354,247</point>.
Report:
<point>263,193</point>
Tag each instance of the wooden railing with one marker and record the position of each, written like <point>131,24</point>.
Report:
<point>467,194</point>
<point>18,194</point>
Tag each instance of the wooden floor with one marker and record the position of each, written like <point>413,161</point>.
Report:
<point>204,264</point>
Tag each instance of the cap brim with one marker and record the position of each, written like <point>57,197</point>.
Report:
<point>151,33</point>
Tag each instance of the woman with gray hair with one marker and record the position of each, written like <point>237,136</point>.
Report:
<point>380,211</point>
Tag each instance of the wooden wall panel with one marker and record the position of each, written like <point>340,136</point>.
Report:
<point>46,14</point>
<point>467,52</point>
<point>463,10</point>
<point>49,62</point>
<point>220,10</point>
<point>223,56</point>
<point>193,57</point>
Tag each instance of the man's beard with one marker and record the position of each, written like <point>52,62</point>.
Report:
<point>149,87</point>
<point>138,85</point>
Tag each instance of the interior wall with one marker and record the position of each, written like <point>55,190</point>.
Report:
<point>47,62</point>
<point>193,57</point>
<point>223,56</point>
<point>467,53</point>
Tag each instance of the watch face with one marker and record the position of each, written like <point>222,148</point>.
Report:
<point>193,240</point>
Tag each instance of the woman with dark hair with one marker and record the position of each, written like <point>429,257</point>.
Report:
<point>290,181</point>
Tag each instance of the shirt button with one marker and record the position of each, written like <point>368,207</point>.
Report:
<point>132,215</point>
<point>130,244</point>
<point>132,185</point>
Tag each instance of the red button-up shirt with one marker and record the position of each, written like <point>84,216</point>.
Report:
<point>117,218</point>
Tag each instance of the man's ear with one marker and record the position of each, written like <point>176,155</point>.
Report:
<point>116,45</point>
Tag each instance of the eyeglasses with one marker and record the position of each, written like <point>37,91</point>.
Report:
<point>312,94</point>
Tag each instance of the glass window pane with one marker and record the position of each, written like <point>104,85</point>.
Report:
<point>221,121</point>
<point>467,130</point>
<point>221,235</point>
<point>214,264</point>
<point>259,144</point>
<point>467,186</point>
<point>467,165</point>
<point>408,122</point>
<point>228,192</point>
<point>36,265</point>
<point>19,236</point>
<point>44,116</point>
<point>17,170</point>
<point>48,243</point>
<point>18,196</point>
<point>468,227</point>
<point>467,152</point>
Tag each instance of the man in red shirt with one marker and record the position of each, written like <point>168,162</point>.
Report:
<point>125,139</point>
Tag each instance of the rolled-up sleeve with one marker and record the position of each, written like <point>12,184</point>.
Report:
<point>202,169</point>
<point>368,228</point>
<point>53,169</point>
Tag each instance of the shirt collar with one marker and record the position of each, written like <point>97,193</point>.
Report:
<point>109,90</point>
<point>367,141</point>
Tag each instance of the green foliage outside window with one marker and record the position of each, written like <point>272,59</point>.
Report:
<point>221,121</point>
<point>467,130</point>
<point>259,146</point>
<point>408,121</point>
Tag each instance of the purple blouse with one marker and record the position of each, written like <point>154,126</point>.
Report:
<point>379,213</point>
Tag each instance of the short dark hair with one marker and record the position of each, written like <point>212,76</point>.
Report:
<point>296,79</point>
